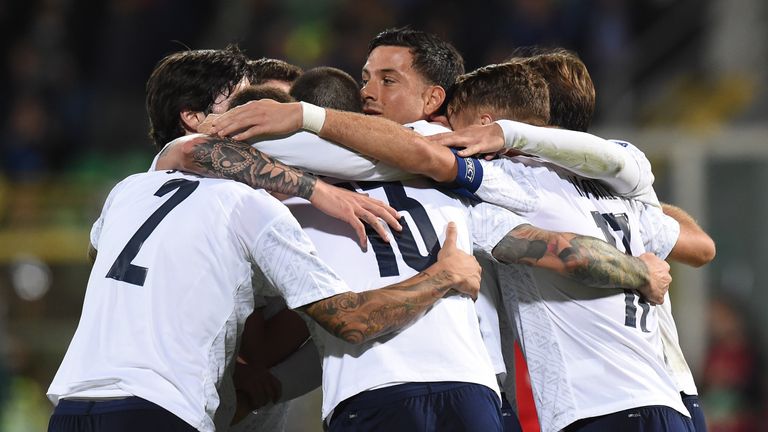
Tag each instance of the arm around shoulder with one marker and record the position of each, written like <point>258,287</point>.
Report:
<point>360,317</point>
<point>586,260</point>
<point>390,143</point>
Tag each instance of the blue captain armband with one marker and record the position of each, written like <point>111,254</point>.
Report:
<point>468,177</point>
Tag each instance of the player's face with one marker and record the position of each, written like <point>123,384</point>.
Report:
<point>392,88</point>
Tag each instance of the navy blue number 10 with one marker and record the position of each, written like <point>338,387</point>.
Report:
<point>409,250</point>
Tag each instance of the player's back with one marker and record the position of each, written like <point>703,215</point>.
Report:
<point>590,351</point>
<point>170,286</point>
<point>445,344</point>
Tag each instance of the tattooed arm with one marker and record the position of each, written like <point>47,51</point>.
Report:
<point>585,259</point>
<point>360,317</point>
<point>224,158</point>
<point>212,156</point>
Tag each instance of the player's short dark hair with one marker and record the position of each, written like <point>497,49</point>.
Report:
<point>329,88</point>
<point>266,69</point>
<point>508,90</point>
<point>252,93</point>
<point>190,80</point>
<point>571,90</point>
<point>435,59</point>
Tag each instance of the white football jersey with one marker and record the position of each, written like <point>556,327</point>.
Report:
<point>589,351</point>
<point>171,288</point>
<point>445,344</point>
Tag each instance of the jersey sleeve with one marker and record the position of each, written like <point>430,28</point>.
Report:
<point>490,223</point>
<point>658,231</point>
<point>322,157</point>
<point>581,153</point>
<point>644,191</point>
<point>507,185</point>
<point>284,254</point>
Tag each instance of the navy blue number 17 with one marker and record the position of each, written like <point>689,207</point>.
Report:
<point>122,269</point>
<point>608,223</point>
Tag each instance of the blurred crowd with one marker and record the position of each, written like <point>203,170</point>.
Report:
<point>74,70</point>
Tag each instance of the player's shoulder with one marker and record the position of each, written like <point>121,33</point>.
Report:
<point>518,166</point>
<point>131,182</point>
<point>424,127</point>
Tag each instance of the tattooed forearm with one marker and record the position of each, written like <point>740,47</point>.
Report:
<point>360,317</point>
<point>601,265</point>
<point>585,259</point>
<point>225,158</point>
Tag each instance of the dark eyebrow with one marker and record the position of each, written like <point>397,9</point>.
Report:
<point>385,70</point>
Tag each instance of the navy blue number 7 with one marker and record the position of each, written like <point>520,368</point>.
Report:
<point>122,269</point>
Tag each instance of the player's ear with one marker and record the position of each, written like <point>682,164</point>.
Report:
<point>486,119</point>
<point>190,120</point>
<point>434,96</point>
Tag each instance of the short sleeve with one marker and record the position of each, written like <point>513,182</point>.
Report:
<point>284,253</point>
<point>658,231</point>
<point>490,223</point>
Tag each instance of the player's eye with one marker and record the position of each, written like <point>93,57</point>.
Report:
<point>363,82</point>
<point>388,81</point>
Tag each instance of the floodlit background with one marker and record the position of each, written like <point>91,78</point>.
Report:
<point>685,80</point>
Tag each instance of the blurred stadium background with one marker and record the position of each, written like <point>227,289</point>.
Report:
<point>685,80</point>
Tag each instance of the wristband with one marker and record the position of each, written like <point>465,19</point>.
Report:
<point>312,117</point>
<point>469,176</point>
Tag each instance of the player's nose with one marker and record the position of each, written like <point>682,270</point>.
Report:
<point>368,91</point>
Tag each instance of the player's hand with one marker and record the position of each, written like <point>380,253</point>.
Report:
<point>658,270</point>
<point>460,266</point>
<point>486,139</point>
<point>352,208</point>
<point>206,127</point>
<point>257,386</point>
<point>257,118</point>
